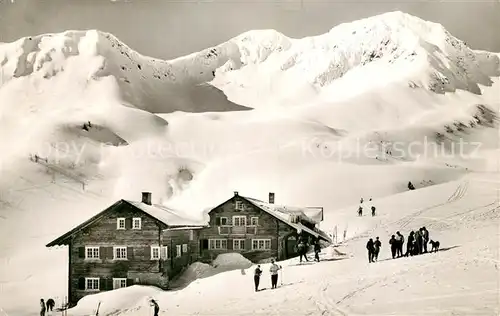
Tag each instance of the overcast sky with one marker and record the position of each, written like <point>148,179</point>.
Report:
<point>168,29</point>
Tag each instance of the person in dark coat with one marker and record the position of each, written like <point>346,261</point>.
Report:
<point>425,239</point>
<point>418,241</point>
<point>401,240</point>
<point>373,210</point>
<point>371,249</point>
<point>410,186</point>
<point>302,250</point>
<point>376,249</point>
<point>42,307</point>
<point>360,211</point>
<point>409,244</point>
<point>156,307</point>
<point>317,250</point>
<point>394,246</point>
<point>256,277</point>
<point>50,304</point>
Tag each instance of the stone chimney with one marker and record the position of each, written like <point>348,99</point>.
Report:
<point>146,198</point>
<point>271,198</point>
<point>235,193</point>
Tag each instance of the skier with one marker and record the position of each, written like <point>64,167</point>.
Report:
<point>42,307</point>
<point>317,250</point>
<point>256,277</point>
<point>361,201</point>
<point>274,273</point>
<point>360,211</point>
<point>410,186</point>
<point>425,238</point>
<point>394,246</point>
<point>50,304</point>
<point>377,244</point>
<point>156,307</point>
<point>301,247</point>
<point>371,250</point>
<point>400,241</point>
<point>373,210</point>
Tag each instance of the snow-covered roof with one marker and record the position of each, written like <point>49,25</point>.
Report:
<point>166,215</point>
<point>283,213</point>
<point>170,218</point>
<point>313,215</point>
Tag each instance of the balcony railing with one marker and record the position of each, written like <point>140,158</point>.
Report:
<point>237,230</point>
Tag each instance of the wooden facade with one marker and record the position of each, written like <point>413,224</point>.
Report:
<point>122,246</point>
<point>140,243</point>
<point>239,225</point>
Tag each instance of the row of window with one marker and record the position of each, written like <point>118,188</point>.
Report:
<point>239,244</point>
<point>136,223</point>
<point>120,253</point>
<point>239,220</point>
<point>93,284</point>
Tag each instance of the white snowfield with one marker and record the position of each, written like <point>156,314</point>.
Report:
<point>320,121</point>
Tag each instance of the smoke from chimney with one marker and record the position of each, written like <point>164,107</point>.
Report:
<point>146,198</point>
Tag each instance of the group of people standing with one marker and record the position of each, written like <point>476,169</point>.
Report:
<point>274,275</point>
<point>303,247</point>
<point>416,244</point>
<point>361,205</point>
<point>46,306</point>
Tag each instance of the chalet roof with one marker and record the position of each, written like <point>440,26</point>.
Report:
<point>283,213</point>
<point>168,217</point>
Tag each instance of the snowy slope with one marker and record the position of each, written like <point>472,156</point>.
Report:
<point>461,279</point>
<point>361,125</point>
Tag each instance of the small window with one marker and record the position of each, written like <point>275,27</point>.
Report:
<point>239,205</point>
<point>239,220</point>
<point>223,221</point>
<point>164,252</point>
<point>118,283</point>
<point>155,253</point>
<point>136,223</point>
<point>254,221</point>
<point>92,284</point>
<point>91,252</point>
<point>239,244</point>
<point>120,223</point>
<point>120,253</point>
<point>184,248</point>
<point>217,244</point>
<point>261,244</point>
<point>179,251</point>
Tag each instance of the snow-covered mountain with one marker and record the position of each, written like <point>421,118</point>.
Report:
<point>324,120</point>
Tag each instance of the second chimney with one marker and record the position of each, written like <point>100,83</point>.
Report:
<point>271,198</point>
<point>146,198</point>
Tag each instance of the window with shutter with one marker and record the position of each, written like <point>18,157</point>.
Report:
<point>164,252</point>
<point>130,252</point>
<point>120,223</point>
<point>119,283</point>
<point>217,221</point>
<point>155,253</point>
